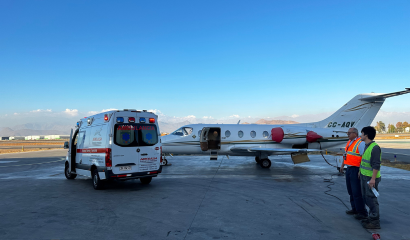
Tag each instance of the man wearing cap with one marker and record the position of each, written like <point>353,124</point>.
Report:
<point>352,159</point>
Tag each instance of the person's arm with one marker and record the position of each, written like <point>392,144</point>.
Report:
<point>375,163</point>
<point>362,145</point>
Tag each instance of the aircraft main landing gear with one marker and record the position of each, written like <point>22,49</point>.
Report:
<point>164,162</point>
<point>265,163</point>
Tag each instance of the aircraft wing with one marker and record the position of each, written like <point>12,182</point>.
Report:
<point>274,150</point>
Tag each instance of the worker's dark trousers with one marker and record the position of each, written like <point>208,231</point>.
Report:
<point>369,198</point>
<point>354,190</point>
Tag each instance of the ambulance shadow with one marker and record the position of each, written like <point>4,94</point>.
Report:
<point>129,185</point>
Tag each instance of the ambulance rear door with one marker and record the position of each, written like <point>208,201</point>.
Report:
<point>148,142</point>
<point>125,151</point>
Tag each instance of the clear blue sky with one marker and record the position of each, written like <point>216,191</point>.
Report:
<point>202,58</point>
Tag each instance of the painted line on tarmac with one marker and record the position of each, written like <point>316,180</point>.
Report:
<point>397,153</point>
<point>32,164</point>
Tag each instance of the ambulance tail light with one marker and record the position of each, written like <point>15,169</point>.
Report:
<point>106,118</point>
<point>108,157</point>
<point>131,119</point>
<point>160,154</point>
<point>152,120</point>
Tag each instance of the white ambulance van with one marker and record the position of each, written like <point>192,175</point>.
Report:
<point>115,145</point>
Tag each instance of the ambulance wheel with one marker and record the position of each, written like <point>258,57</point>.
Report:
<point>97,183</point>
<point>67,173</point>
<point>257,159</point>
<point>164,162</point>
<point>146,180</point>
<point>265,163</point>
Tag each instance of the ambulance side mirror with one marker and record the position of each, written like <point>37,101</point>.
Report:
<point>66,145</point>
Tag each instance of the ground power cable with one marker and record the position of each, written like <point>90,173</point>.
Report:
<point>207,190</point>
<point>330,180</point>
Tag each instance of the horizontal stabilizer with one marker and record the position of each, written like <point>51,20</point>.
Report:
<point>385,95</point>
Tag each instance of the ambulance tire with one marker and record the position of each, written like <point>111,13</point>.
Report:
<point>67,173</point>
<point>97,183</point>
<point>257,159</point>
<point>265,163</point>
<point>146,180</point>
<point>164,162</point>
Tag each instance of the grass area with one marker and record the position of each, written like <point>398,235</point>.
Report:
<point>400,165</point>
<point>3,151</point>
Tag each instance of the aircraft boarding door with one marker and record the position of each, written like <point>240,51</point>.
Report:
<point>214,138</point>
<point>203,140</point>
<point>210,139</point>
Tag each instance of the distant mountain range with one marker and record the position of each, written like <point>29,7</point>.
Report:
<point>61,129</point>
<point>7,132</point>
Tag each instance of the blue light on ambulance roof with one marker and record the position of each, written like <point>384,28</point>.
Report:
<point>120,119</point>
<point>142,120</point>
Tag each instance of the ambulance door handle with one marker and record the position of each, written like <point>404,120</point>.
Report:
<point>144,154</point>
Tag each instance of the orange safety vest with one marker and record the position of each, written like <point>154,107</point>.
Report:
<point>353,157</point>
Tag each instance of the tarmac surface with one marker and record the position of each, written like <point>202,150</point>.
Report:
<point>395,150</point>
<point>195,198</point>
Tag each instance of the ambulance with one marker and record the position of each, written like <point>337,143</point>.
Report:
<point>115,145</point>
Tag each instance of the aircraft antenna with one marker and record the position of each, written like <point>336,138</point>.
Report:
<point>239,121</point>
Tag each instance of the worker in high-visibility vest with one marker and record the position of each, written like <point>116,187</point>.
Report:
<point>370,176</point>
<point>352,158</point>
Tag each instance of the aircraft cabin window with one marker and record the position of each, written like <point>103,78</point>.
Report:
<point>227,133</point>
<point>187,131</point>
<point>253,134</point>
<point>240,134</point>
<point>265,134</point>
<point>178,132</point>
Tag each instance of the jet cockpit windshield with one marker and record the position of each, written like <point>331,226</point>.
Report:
<point>184,131</point>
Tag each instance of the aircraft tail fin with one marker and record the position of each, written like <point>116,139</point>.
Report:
<point>359,112</point>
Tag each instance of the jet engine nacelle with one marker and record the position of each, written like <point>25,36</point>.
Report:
<point>302,135</point>
<point>323,134</point>
<point>289,135</point>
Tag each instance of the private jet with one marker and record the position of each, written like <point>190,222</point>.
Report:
<point>262,141</point>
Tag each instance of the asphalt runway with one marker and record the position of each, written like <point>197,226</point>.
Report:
<point>395,150</point>
<point>195,198</point>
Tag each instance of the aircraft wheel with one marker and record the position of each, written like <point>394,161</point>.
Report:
<point>257,159</point>
<point>265,163</point>
<point>164,162</point>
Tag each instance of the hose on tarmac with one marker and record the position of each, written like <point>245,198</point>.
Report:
<point>330,180</point>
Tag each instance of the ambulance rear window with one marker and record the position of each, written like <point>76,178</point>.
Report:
<point>135,135</point>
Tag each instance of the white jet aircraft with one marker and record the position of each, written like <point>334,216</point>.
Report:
<point>262,141</point>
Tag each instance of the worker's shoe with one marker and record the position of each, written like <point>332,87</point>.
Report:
<point>351,212</point>
<point>375,224</point>
<point>360,216</point>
